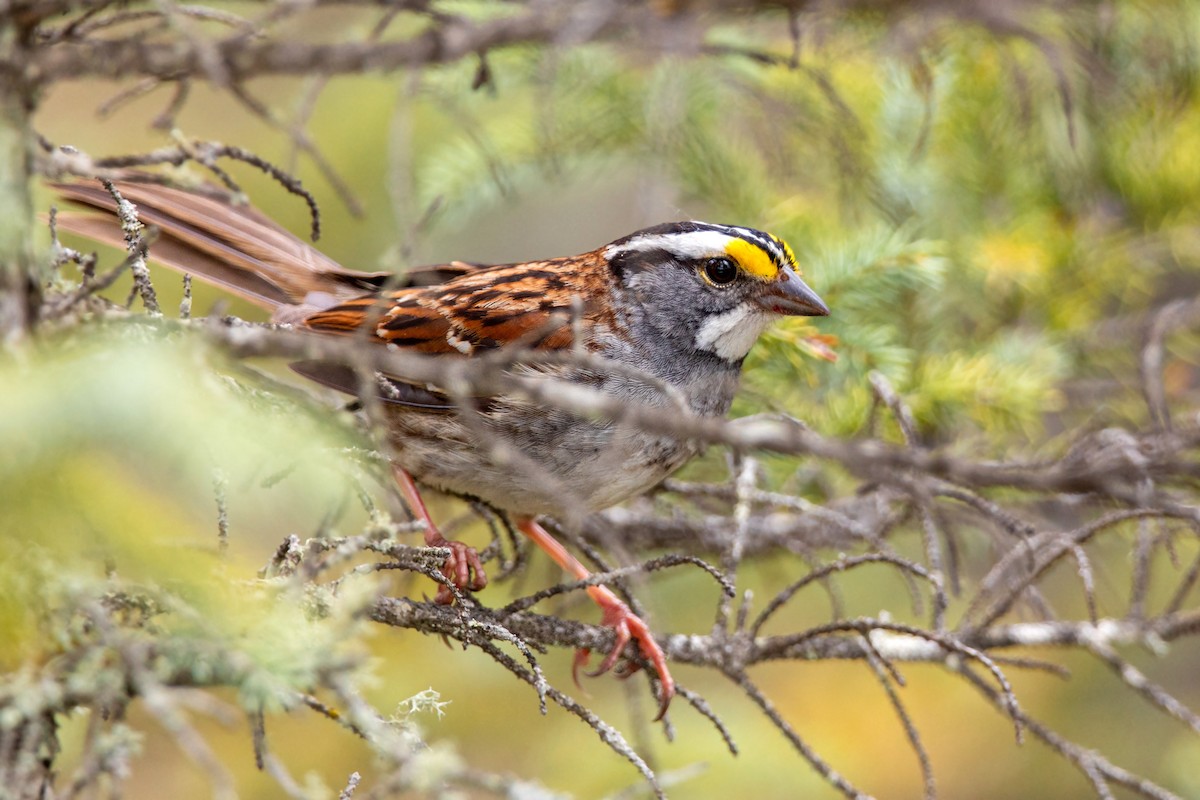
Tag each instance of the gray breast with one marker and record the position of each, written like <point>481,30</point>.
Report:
<point>532,459</point>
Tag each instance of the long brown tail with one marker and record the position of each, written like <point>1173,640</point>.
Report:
<point>233,246</point>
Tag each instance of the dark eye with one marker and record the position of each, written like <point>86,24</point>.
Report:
<point>720,271</point>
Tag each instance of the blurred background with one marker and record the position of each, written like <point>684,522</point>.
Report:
<point>990,200</point>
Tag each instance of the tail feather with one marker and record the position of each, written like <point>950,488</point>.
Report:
<point>171,252</point>
<point>233,246</point>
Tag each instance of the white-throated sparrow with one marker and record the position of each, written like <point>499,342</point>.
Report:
<point>675,308</point>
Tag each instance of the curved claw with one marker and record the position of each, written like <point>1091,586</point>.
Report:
<point>460,566</point>
<point>581,658</point>
<point>628,625</point>
<point>617,616</point>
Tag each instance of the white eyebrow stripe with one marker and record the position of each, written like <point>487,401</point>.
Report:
<point>688,244</point>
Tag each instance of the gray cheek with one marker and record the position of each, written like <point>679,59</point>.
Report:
<point>673,305</point>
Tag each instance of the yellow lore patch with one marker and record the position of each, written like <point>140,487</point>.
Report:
<point>752,258</point>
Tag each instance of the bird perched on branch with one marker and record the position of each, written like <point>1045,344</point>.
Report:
<point>663,317</point>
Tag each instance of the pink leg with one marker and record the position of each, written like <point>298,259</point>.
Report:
<point>463,560</point>
<point>616,615</point>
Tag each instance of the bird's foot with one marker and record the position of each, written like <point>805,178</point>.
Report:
<point>626,625</point>
<point>463,567</point>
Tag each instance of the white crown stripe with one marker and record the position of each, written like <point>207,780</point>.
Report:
<point>700,243</point>
<point>689,244</point>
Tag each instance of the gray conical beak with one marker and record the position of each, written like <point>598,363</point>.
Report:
<point>789,296</point>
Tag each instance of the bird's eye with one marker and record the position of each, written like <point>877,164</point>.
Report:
<point>720,271</point>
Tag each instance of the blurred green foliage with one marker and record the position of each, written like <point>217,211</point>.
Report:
<point>108,481</point>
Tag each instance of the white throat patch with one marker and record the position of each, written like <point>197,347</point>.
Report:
<point>732,334</point>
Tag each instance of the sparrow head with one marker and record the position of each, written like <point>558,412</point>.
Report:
<point>720,286</point>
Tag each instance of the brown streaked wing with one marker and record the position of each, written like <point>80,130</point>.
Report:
<point>342,318</point>
<point>481,309</point>
<point>399,320</point>
<point>529,304</point>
